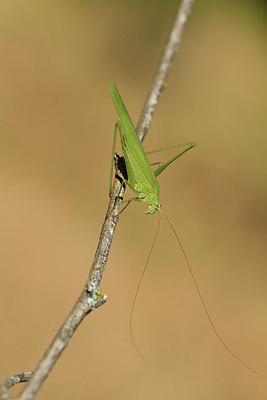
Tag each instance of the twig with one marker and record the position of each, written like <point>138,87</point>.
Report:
<point>158,82</point>
<point>91,296</point>
<point>12,381</point>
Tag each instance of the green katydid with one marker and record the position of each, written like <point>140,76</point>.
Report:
<point>143,181</point>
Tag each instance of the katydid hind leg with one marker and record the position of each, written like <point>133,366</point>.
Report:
<point>175,146</point>
<point>162,167</point>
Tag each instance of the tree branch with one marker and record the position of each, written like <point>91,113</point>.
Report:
<point>91,296</point>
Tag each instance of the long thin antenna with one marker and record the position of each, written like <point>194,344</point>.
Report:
<point>203,303</point>
<point>136,294</point>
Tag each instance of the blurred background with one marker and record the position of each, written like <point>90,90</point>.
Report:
<point>56,115</point>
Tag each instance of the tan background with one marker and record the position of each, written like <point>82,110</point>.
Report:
<point>56,117</point>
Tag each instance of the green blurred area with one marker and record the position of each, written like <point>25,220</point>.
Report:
<point>56,130</point>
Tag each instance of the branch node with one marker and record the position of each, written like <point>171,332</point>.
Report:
<point>95,297</point>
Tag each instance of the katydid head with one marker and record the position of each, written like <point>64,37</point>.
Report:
<point>152,208</point>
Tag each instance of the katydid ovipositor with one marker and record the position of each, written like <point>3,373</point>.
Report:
<point>143,181</point>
